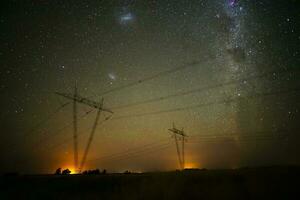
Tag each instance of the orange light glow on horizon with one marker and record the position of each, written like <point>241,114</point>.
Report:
<point>191,165</point>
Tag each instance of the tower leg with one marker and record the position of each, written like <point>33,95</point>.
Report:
<point>178,151</point>
<point>90,138</point>
<point>75,129</point>
<point>182,151</point>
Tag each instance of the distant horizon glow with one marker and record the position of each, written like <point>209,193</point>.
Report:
<point>191,165</point>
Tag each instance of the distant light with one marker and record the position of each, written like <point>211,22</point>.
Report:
<point>191,166</point>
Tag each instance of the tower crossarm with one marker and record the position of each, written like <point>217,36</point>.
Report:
<point>177,131</point>
<point>84,100</point>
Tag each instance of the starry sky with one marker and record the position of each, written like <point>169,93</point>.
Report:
<point>225,70</point>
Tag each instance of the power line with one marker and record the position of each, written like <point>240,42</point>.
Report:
<point>133,154</point>
<point>63,142</point>
<point>149,78</point>
<point>170,96</point>
<point>178,109</point>
<point>192,91</point>
<point>66,140</point>
<point>239,140</point>
<point>152,77</point>
<point>199,90</point>
<point>200,105</point>
<point>40,123</point>
<point>163,97</point>
<point>206,138</point>
<point>142,152</point>
<point>197,106</point>
<point>227,138</point>
<point>206,104</point>
<point>129,151</point>
<point>45,120</point>
<point>235,134</point>
<point>113,156</point>
<point>67,125</point>
<point>137,152</point>
<point>254,136</point>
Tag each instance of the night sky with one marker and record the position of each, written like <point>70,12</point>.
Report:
<point>225,70</point>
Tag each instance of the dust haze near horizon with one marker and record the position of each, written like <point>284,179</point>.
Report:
<point>234,87</point>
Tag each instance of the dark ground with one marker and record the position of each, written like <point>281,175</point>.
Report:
<point>254,183</point>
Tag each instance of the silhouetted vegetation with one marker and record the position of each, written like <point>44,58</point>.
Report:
<point>246,183</point>
<point>66,172</point>
<point>58,171</point>
<point>91,172</point>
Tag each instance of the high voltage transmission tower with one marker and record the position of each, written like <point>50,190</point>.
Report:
<point>179,135</point>
<point>76,98</point>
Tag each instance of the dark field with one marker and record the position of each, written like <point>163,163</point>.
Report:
<point>258,183</point>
